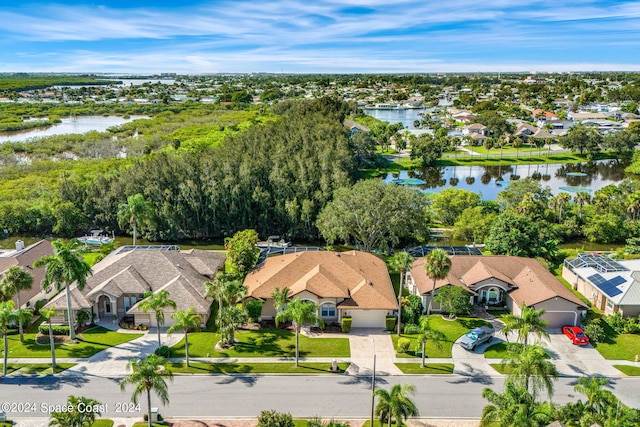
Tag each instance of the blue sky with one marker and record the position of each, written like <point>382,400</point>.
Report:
<point>298,36</point>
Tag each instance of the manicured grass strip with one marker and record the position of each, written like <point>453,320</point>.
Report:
<point>6,424</point>
<point>502,369</point>
<point>102,423</point>
<point>632,371</point>
<point>263,343</point>
<point>255,368</point>
<point>91,342</point>
<point>451,329</point>
<point>619,347</point>
<point>430,368</point>
<point>37,368</point>
<point>501,350</point>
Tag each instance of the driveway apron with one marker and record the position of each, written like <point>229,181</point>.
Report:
<point>361,343</point>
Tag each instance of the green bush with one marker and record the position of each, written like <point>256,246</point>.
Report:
<point>39,304</point>
<point>390,323</point>
<point>595,331</point>
<point>275,419</point>
<point>411,329</point>
<point>163,351</point>
<point>403,345</point>
<point>346,324</point>
<point>57,329</point>
<point>254,310</point>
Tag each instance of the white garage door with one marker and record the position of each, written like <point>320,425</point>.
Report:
<point>368,318</point>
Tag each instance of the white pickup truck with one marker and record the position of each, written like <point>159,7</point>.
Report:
<point>475,337</point>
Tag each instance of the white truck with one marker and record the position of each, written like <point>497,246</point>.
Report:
<point>475,337</point>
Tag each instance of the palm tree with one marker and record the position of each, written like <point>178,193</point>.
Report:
<point>529,321</point>
<point>149,374</point>
<point>80,416</point>
<point>136,212</point>
<point>216,289</point>
<point>530,368</point>
<point>299,312</point>
<point>231,318</point>
<point>7,317</point>
<point>437,264</point>
<point>581,198</point>
<point>562,200</point>
<point>633,204</point>
<point>63,268</point>
<point>517,143</point>
<point>401,262</point>
<point>427,333</point>
<point>14,280</point>
<point>157,303</point>
<point>396,404</point>
<point>515,407</point>
<point>187,320</point>
<point>280,298</point>
<point>48,314</point>
<point>597,398</point>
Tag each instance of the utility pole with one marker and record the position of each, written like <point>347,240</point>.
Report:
<point>373,381</point>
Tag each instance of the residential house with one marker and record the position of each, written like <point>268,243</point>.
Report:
<point>355,126</point>
<point>611,285</point>
<point>502,281</point>
<point>119,282</point>
<point>476,128</point>
<point>343,284</point>
<point>25,257</point>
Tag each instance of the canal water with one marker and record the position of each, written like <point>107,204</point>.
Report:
<point>69,125</point>
<point>488,181</point>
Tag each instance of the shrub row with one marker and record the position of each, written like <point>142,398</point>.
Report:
<point>57,329</point>
<point>390,323</point>
<point>346,324</point>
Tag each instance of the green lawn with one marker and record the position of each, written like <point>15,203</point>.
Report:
<point>91,342</point>
<point>451,329</point>
<point>525,148</point>
<point>496,351</point>
<point>102,423</point>
<point>36,368</point>
<point>619,346</point>
<point>632,371</point>
<point>255,368</point>
<point>430,368</point>
<point>263,343</point>
<point>502,369</point>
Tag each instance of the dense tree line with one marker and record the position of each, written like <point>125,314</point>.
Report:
<point>274,177</point>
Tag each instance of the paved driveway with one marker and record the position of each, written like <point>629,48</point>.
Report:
<point>362,349</point>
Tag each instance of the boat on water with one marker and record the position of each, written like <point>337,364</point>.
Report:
<point>96,238</point>
<point>273,242</point>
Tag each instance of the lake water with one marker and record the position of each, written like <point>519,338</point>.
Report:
<point>69,125</point>
<point>485,180</point>
<point>406,117</point>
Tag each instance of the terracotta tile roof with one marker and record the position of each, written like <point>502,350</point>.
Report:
<point>25,258</point>
<point>531,283</point>
<point>360,277</point>
<point>138,271</point>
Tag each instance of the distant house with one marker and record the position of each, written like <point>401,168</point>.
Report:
<point>25,257</point>
<point>119,282</point>
<point>611,285</point>
<point>343,284</point>
<point>355,126</point>
<point>538,113</point>
<point>581,116</point>
<point>502,281</point>
<point>525,130</point>
<point>476,131</point>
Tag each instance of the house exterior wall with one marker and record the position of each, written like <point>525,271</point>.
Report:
<point>589,291</point>
<point>630,311</point>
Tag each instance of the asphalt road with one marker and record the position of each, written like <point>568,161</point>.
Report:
<point>302,396</point>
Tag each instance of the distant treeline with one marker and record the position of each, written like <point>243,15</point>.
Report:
<point>29,82</point>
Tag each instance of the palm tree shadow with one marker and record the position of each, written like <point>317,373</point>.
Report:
<point>247,380</point>
<point>48,382</point>
<point>469,376</point>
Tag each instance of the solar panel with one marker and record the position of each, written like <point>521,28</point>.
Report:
<point>597,279</point>
<point>617,281</point>
<point>610,289</point>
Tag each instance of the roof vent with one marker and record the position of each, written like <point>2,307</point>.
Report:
<point>370,283</point>
<point>336,254</point>
<point>19,245</point>
<point>178,266</point>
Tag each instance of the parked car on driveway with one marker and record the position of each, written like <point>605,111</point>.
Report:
<point>475,337</point>
<point>576,335</point>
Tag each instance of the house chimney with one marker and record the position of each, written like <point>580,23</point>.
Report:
<point>19,245</point>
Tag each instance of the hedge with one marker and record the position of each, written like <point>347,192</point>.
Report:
<point>346,324</point>
<point>390,323</point>
<point>57,329</point>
